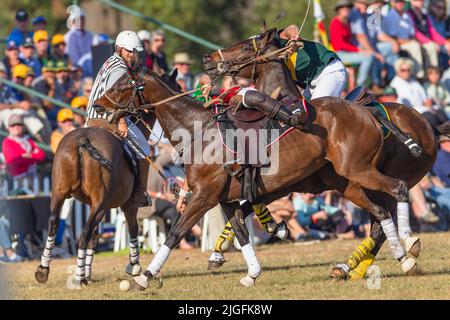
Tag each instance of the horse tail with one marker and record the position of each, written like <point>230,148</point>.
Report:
<point>85,144</point>
<point>444,129</point>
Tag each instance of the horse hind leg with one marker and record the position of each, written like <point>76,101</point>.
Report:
<point>90,251</point>
<point>43,270</point>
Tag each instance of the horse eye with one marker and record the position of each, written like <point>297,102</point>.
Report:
<point>244,48</point>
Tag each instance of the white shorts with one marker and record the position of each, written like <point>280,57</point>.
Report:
<point>329,83</point>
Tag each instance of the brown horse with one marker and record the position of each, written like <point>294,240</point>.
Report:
<point>335,137</point>
<point>90,164</point>
<point>395,160</point>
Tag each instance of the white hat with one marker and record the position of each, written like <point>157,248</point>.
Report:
<point>129,40</point>
<point>144,35</point>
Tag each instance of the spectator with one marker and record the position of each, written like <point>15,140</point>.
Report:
<point>40,39</point>
<point>342,41</point>
<point>10,105</point>
<point>146,38</point>
<point>59,48</point>
<point>46,84</point>
<point>7,254</point>
<point>437,11</point>
<point>435,90</point>
<point>442,165</point>
<point>85,62</point>
<point>29,78</point>
<point>421,208</point>
<point>436,191</point>
<point>367,40</point>
<point>182,62</point>
<point>65,90</point>
<point>411,93</point>
<point>398,30</point>
<point>76,75</point>
<point>86,87</point>
<point>27,54</point>
<point>78,40</point>
<point>11,58</point>
<point>157,54</point>
<point>65,119</point>
<point>20,151</point>
<point>427,36</point>
<point>39,23</point>
<point>79,103</point>
<point>19,73</point>
<point>20,32</point>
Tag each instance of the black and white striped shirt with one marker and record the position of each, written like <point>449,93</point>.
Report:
<point>108,75</point>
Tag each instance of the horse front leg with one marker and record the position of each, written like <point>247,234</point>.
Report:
<point>197,207</point>
<point>133,268</point>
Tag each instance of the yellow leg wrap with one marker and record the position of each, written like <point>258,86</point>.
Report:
<point>225,239</point>
<point>265,218</point>
<point>360,253</point>
<point>360,271</point>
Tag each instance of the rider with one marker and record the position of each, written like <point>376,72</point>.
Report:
<point>124,60</point>
<point>313,67</point>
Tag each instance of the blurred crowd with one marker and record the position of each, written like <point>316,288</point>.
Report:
<point>400,49</point>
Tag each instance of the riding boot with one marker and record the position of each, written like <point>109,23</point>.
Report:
<point>140,195</point>
<point>275,109</point>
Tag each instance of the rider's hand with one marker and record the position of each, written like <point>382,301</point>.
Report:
<point>206,89</point>
<point>123,128</point>
<point>181,204</point>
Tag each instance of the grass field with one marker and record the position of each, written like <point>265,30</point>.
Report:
<point>289,272</point>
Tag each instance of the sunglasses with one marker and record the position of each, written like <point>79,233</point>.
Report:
<point>67,120</point>
<point>16,125</point>
<point>405,70</point>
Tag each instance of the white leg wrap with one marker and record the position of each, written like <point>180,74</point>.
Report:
<point>254,269</point>
<point>47,255</point>
<point>134,251</point>
<point>404,230</point>
<point>88,264</point>
<point>159,260</point>
<point>81,260</point>
<point>216,256</point>
<point>394,242</point>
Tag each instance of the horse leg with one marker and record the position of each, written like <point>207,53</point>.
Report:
<point>236,217</point>
<point>90,254</point>
<point>94,219</point>
<point>43,269</point>
<point>197,207</point>
<point>133,268</point>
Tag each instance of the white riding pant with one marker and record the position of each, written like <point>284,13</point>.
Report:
<point>138,138</point>
<point>329,83</point>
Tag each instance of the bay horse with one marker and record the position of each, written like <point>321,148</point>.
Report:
<point>90,164</point>
<point>395,160</point>
<point>336,137</point>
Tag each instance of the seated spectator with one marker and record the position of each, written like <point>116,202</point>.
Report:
<point>29,78</point>
<point>65,121</point>
<point>421,208</point>
<point>79,103</point>
<point>59,48</point>
<point>40,39</point>
<point>65,90</point>
<point>78,40</point>
<point>389,95</point>
<point>76,75</point>
<point>20,32</point>
<point>7,254</point>
<point>39,23</point>
<point>437,192</point>
<point>427,36</point>
<point>442,165</point>
<point>9,105</point>
<point>366,39</point>
<point>341,39</point>
<point>157,54</point>
<point>411,93</point>
<point>12,58</point>
<point>86,87</point>
<point>398,30</point>
<point>323,221</point>
<point>20,152</point>
<point>434,89</point>
<point>182,62</point>
<point>19,73</point>
<point>437,11</point>
<point>27,55</point>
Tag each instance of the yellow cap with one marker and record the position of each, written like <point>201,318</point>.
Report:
<point>80,101</point>
<point>20,71</point>
<point>57,39</point>
<point>40,35</point>
<point>64,114</point>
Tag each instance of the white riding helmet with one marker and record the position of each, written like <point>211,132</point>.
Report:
<point>144,35</point>
<point>129,40</point>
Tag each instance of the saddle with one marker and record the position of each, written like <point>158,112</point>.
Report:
<point>361,96</point>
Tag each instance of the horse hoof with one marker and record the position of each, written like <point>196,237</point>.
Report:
<point>133,269</point>
<point>41,274</point>
<point>283,232</point>
<point>248,281</point>
<point>215,264</point>
<point>142,282</point>
<point>409,266</point>
<point>338,274</point>
<point>73,283</point>
<point>413,246</point>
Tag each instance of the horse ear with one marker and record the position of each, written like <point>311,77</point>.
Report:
<point>264,26</point>
<point>173,75</point>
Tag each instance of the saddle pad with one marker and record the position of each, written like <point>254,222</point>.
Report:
<point>383,110</point>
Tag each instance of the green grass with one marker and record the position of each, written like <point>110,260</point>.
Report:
<point>289,272</point>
